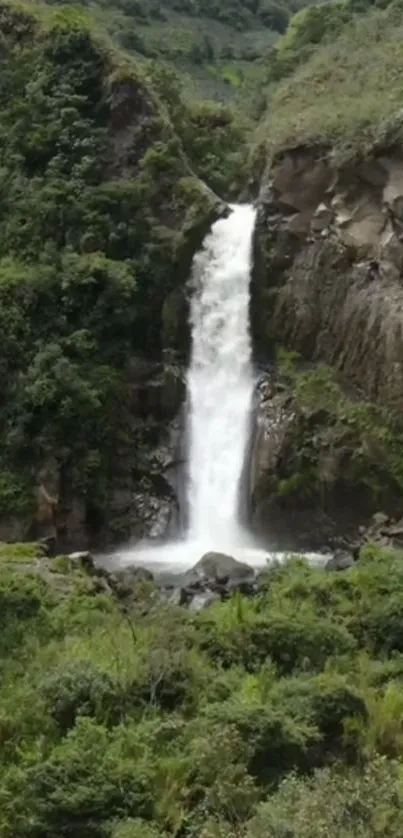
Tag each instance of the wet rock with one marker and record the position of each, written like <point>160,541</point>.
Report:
<point>322,217</point>
<point>341,560</point>
<point>173,596</point>
<point>304,495</point>
<point>203,600</point>
<point>101,586</point>
<point>215,577</point>
<point>48,545</point>
<point>218,567</point>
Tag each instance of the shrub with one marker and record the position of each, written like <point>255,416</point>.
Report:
<point>335,802</point>
<point>89,778</point>
<point>292,641</point>
<point>275,742</point>
<point>331,704</point>
<point>80,689</point>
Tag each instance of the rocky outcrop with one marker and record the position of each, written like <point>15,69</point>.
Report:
<point>329,260</point>
<point>382,532</point>
<point>142,497</point>
<point>286,510</point>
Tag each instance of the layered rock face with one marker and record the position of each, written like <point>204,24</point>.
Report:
<point>328,284</point>
<point>330,257</point>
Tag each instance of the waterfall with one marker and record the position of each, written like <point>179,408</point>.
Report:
<point>220,385</point>
<point>220,380</point>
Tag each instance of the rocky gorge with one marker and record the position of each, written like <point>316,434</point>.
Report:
<point>358,302</point>
<point>326,284</point>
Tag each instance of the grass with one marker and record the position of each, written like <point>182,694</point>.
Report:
<point>344,95</point>
<point>19,552</point>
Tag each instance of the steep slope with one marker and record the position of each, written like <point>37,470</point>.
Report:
<point>99,216</point>
<point>321,87</point>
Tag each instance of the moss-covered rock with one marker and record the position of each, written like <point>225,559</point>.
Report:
<point>324,462</point>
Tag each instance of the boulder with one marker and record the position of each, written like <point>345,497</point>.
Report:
<point>341,560</point>
<point>216,576</point>
<point>202,601</point>
<point>134,574</point>
<point>215,568</point>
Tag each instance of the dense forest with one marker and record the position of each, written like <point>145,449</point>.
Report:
<point>123,714</point>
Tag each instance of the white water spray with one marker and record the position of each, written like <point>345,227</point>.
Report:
<point>220,380</point>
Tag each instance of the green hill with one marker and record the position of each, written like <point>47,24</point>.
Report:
<point>213,43</point>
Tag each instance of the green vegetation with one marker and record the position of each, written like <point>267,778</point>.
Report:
<point>337,441</point>
<point>275,716</point>
<point>214,136</point>
<point>212,43</point>
<point>100,214</point>
<point>333,80</point>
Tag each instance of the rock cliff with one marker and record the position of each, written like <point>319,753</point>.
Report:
<point>331,262</point>
<point>328,285</point>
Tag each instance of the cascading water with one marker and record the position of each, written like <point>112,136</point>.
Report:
<point>220,388</point>
<point>220,380</point>
<point>220,385</point>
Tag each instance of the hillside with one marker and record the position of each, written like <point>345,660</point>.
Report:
<point>100,214</point>
<point>109,179</point>
<point>321,86</point>
<point>247,705</point>
<point>211,44</point>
